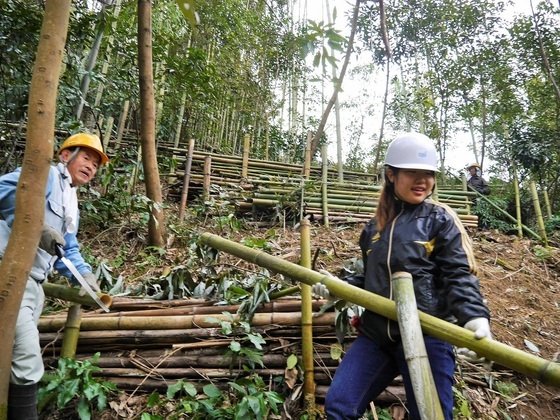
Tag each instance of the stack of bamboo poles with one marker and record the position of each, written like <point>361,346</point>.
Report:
<point>261,189</point>
<point>150,345</point>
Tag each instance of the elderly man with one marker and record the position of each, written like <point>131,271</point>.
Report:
<point>79,158</point>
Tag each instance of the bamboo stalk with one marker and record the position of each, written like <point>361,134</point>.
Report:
<point>416,356</point>
<point>186,181</point>
<point>245,156</point>
<point>307,162</point>
<point>72,294</point>
<point>206,180</point>
<point>538,212</point>
<point>528,364</point>
<point>306,322</point>
<point>292,305</point>
<point>547,204</point>
<point>71,332</point>
<point>183,322</point>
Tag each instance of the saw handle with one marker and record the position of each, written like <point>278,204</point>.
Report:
<point>59,251</point>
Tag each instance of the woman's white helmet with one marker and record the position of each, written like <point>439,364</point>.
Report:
<point>412,151</point>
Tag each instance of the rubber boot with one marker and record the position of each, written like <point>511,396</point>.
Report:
<point>22,402</point>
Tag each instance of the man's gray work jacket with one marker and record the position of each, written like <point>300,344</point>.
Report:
<point>58,200</point>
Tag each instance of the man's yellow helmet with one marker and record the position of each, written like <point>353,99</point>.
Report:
<point>90,141</point>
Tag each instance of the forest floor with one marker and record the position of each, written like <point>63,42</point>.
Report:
<point>519,279</point>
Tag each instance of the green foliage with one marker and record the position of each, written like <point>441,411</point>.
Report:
<point>461,405</point>
<point>246,398</point>
<point>507,389</point>
<point>380,414</point>
<point>542,253</point>
<point>552,225</point>
<point>489,216</point>
<point>237,352</point>
<point>73,380</point>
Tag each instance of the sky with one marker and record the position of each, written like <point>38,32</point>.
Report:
<point>457,159</point>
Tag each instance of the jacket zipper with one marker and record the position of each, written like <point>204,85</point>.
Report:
<point>389,251</point>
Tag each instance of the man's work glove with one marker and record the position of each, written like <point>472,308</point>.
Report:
<point>481,329</point>
<point>321,290</point>
<point>92,281</point>
<point>50,238</point>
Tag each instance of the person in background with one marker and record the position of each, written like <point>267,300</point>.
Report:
<point>475,181</point>
<point>412,233</point>
<point>80,156</point>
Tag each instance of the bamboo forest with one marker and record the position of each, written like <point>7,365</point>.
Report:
<point>227,160</point>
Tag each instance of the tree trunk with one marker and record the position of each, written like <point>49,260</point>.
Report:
<point>92,59</point>
<point>30,195</point>
<point>148,124</point>
<point>338,85</point>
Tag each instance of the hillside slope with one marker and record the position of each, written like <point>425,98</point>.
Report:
<point>519,278</point>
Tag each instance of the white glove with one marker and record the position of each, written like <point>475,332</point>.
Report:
<point>480,327</point>
<point>321,290</point>
<point>91,280</point>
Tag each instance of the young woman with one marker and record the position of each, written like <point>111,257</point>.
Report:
<point>409,233</point>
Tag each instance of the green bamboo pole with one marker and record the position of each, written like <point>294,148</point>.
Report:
<point>517,203</point>
<point>538,212</point>
<point>186,181</point>
<point>72,294</point>
<point>324,188</point>
<point>71,331</point>
<point>245,164</point>
<point>289,291</point>
<point>179,322</point>
<point>307,164</point>
<point>421,377</point>
<point>307,324</point>
<point>547,205</point>
<point>544,370</point>
<point>206,179</point>
<point>465,188</point>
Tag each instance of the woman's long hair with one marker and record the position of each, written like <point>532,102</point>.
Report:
<point>386,207</point>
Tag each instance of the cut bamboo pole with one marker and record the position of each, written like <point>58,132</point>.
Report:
<point>307,323</point>
<point>207,171</point>
<point>415,353</point>
<point>119,309</point>
<point>307,163</point>
<point>71,332</point>
<point>324,188</point>
<point>183,322</point>
<point>72,294</point>
<point>186,181</point>
<point>246,150</point>
<point>544,370</point>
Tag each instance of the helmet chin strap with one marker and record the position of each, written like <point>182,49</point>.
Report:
<point>72,156</point>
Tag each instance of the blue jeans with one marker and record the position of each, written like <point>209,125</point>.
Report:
<point>367,369</point>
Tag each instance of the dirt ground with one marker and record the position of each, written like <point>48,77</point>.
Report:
<point>518,277</point>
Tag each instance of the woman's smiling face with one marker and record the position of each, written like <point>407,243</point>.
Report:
<point>412,185</point>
